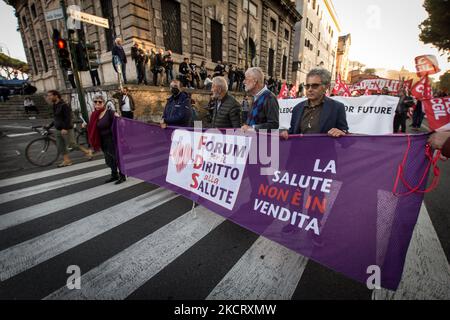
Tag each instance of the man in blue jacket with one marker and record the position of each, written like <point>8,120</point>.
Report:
<point>318,114</point>
<point>178,110</point>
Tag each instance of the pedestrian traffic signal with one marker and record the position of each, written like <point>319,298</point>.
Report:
<point>63,53</point>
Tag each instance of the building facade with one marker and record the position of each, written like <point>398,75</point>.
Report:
<point>342,58</point>
<point>316,37</point>
<point>241,32</point>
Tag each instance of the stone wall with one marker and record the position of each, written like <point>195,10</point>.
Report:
<point>149,101</point>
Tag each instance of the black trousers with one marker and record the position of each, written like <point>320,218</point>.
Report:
<point>400,121</point>
<point>109,151</point>
<point>94,77</point>
<point>128,114</point>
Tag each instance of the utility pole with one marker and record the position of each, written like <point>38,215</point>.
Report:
<point>76,75</point>
<point>248,35</point>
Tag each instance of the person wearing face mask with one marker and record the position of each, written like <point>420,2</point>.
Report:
<point>178,110</point>
<point>100,136</point>
<point>227,110</point>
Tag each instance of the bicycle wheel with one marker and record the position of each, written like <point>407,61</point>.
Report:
<point>82,139</point>
<point>42,152</point>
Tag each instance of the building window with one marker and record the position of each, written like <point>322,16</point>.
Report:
<point>216,41</point>
<point>171,23</point>
<point>271,62</point>
<point>273,24</point>
<point>24,22</point>
<point>250,5</point>
<point>307,23</point>
<point>284,67</point>
<point>286,34</point>
<point>311,27</point>
<point>43,56</point>
<point>33,11</point>
<point>318,53</point>
<point>107,12</point>
<point>33,59</point>
<point>319,36</point>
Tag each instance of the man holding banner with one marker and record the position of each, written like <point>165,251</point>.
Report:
<point>318,114</point>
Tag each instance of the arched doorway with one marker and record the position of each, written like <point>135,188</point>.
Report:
<point>251,51</point>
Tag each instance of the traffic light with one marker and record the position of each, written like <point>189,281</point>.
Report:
<point>63,53</point>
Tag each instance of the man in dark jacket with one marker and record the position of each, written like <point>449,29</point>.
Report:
<point>178,111</point>
<point>227,111</point>
<point>185,72</point>
<point>265,111</point>
<point>318,114</point>
<point>126,103</point>
<point>401,112</point>
<point>119,56</point>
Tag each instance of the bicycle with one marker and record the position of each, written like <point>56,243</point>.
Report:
<point>42,152</point>
<point>81,134</point>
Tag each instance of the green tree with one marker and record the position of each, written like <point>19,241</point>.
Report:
<point>435,30</point>
<point>444,82</point>
<point>370,71</point>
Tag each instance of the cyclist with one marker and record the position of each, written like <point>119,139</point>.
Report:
<point>62,121</point>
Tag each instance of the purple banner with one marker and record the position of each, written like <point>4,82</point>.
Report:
<point>330,200</point>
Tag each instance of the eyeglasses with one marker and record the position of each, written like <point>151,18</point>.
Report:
<point>315,86</point>
<point>98,102</point>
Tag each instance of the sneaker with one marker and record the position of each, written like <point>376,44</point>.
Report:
<point>64,164</point>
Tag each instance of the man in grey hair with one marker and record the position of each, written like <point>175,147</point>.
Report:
<point>318,114</point>
<point>265,111</point>
<point>227,110</point>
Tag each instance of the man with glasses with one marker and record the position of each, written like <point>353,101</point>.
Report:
<point>318,114</point>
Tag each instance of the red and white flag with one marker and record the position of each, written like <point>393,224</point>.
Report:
<point>427,65</point>
<point>284,92</point>
<point>337,85</point>
<point>367,92</point>
<point>422,89</point>
<point>438,113</point>
<point>293,92</point>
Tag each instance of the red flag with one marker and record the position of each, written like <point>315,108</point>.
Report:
<point>407,85</point>
<point>438,113</point>
<point>367,92</point>
<point>293,92</point>
<point>284,92</point>
<point>426,65</point>
<point>422,89</point>
<point>337,85</point>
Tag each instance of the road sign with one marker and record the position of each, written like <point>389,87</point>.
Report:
<point>54,15</point>
<point>88,18</point>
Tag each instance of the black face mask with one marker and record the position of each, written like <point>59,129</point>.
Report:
<point>175,91</point>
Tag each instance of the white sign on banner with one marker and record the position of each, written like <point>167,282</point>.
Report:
<point>88,18</point>
<point>54,15</point>
<point>372,115</point>
<point>209,165</point>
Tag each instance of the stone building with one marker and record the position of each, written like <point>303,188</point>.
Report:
<point>316,37</point>
<point>342,58</point>
<point>241,32</point>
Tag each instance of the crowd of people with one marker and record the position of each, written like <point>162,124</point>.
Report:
<point>318,114</point>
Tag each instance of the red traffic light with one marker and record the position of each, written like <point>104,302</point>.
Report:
<point>62,44</point>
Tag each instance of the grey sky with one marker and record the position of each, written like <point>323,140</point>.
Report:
<point>385,33</point>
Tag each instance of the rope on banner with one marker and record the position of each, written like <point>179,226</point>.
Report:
<point>432,162</point>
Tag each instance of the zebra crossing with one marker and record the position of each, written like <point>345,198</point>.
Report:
<point>139,241</point>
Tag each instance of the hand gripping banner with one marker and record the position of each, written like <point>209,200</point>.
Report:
<point>349,204</point>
